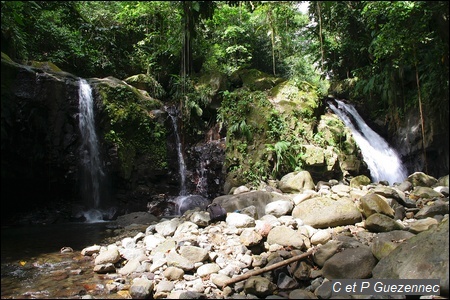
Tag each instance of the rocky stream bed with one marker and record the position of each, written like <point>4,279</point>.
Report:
<point>341,230</point>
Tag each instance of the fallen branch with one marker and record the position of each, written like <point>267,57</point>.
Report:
<point>270,268</point>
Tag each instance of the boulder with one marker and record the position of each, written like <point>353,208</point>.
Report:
<point>424,256</point>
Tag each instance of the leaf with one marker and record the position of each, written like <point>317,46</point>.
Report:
<point>196,6</point>
<point>22,263</point>
<point>198,110</point>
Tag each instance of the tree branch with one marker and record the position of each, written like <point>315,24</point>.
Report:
<point>271,267</point>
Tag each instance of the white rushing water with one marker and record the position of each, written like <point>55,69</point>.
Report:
<point>383,162</point>
<point>90,157</point>
<point>181,164</point>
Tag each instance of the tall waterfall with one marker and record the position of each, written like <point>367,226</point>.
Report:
<point>181,164</point>
<point>383,162</point>
<point>92,174</point>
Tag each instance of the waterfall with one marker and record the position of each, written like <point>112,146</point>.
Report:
<point>92,170</point>
<point>181,164</point>
<point>201,186</point>
<point>383,162</point>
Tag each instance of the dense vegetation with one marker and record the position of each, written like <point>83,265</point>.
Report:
<point>391,56</point>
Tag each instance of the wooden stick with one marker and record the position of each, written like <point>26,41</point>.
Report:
<point>270,268</point>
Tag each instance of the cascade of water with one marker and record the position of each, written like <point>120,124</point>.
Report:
<point>181,164</point>
<point>89,153</point>
<point>201,187</point>
<point>383,162</point>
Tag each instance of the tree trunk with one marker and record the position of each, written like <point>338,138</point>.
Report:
<point>319,13</point>
<point>422,122</point>
<point>188,24</point>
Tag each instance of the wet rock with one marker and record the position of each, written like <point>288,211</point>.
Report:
<point>190,202</point>
<point>135,218</point>
<point>359,181</point>
<point>424,192</point>
<point>421,179</point>
<point>232,203</point>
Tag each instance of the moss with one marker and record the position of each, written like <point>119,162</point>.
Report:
<point>290,96</point>
<point>281,122</point>
<point>6,57</point>
<point>132,127</point>
<point>256,80</point>
<point>147,83</point>
<point>45,65</point>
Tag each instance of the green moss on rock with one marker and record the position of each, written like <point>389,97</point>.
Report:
<point>45,65</point>
<point>132,127</point>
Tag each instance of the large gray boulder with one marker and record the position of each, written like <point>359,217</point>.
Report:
<point>258,199</point>
<point>322,212</point>
<point>353,263</point>
<point>424,256</point>
<point>296,182</point>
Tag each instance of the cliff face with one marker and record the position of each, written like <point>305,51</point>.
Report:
<point>429,155</point>
<point>41,159</point>
<point>41,139</point>
<point>39,136</point>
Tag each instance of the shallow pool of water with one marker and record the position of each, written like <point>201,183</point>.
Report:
<point>33,267</point>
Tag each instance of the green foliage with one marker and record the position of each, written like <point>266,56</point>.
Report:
<point>229,33</point>
<point>133,129</point>
<point>276,126</point>
<point>288,157</point>
<point>379,46</point>
<point>370,50</point>
<point>240,128</point>
<point>236,107</point>
<point>192,98</point>
<point>14,34</point>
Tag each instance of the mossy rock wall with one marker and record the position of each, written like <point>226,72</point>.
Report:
<point>41,139</point>
<point>283,128</point>
<point>133,127</point>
